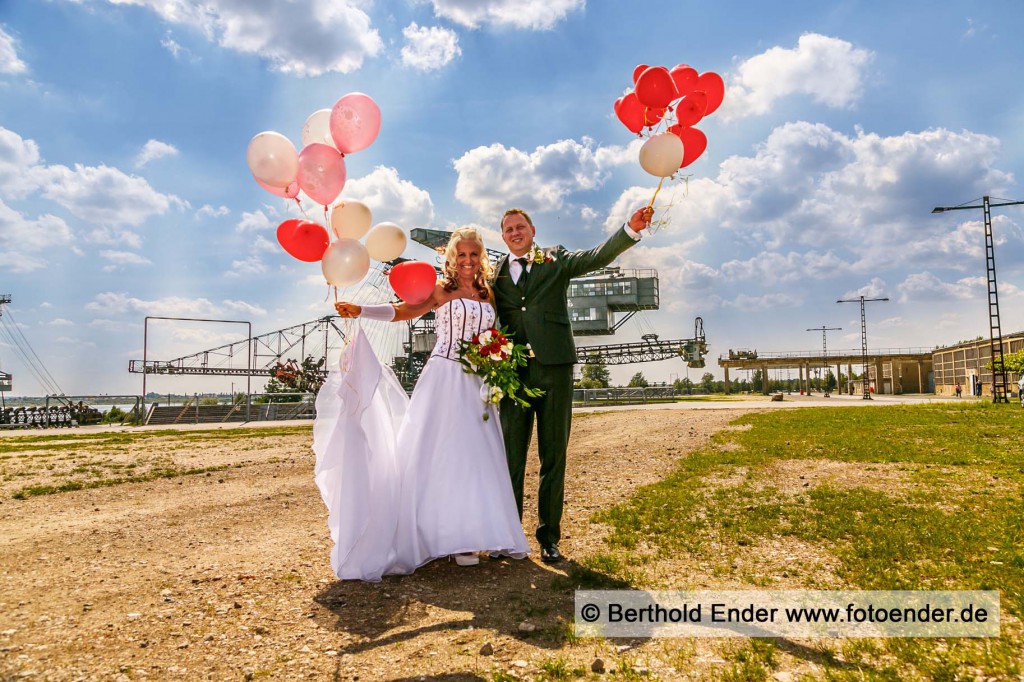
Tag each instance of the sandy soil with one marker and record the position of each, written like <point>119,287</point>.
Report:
<point>225,575</point>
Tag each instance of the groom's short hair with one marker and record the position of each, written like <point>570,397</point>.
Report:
<point>515,211</point>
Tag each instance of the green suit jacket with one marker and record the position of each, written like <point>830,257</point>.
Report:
<point>538,314</point>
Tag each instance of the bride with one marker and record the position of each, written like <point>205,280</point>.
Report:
<point>406,480</point>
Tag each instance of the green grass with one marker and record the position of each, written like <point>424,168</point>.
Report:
<point>945,510</point>
<point>110,438</point>
<point>33,490</point>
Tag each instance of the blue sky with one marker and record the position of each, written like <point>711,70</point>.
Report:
<point>124,190</point>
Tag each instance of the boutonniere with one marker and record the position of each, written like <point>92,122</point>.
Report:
<point>538,257</point>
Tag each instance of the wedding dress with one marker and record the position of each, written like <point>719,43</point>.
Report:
<point>405,480</point>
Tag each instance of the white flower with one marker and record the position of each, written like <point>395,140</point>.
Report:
<point>491,394</point>
<point>485,338</point>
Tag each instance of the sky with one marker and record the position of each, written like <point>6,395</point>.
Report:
<point>124,189</point>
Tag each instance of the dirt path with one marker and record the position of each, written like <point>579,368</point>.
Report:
<point>225,574</point>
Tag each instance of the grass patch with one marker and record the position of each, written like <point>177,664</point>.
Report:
<point>953,518</point>
<point>33,490</point>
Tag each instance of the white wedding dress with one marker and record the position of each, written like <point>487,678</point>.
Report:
<point>406,480</point>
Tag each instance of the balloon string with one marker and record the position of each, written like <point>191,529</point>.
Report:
<point>651,203</point>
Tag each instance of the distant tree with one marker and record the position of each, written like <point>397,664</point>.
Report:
<point>830,381</point>
<point>271,391</point>
<point>1014,362</point>
<point>596,371</point>
<point>707,382</point>
<point>638,381</point>
<point>684,384</point>
<point>757,380</point>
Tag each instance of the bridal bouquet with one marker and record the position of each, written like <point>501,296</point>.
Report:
<point>492,356</point>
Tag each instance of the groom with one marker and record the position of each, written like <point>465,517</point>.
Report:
<point>530,292</point>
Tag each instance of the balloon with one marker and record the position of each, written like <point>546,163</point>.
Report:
<point>655,88</point>
<point>652,116</point>
<point>661,155</point>
<point>694,143</point>
<point>303,239</point>
<point>630,112</point>
<point>355,122</point>
<point>691,108</point>
<point>684,77</point>
<point>637,71</point>
<point>385,242</point>
<point>351,219</point>
<point>318,129</point>
<point>345,262</point>
<point>413,280</point>
<point>272,159</point>
<point>711,83</point>
<point>321,173</point>
<point>289,192</point>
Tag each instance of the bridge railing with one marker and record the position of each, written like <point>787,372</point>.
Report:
<point>783,355</point>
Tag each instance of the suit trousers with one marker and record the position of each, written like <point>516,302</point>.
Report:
<point>553,413</point>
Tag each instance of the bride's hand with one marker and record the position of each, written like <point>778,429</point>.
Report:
<point>348,309</point>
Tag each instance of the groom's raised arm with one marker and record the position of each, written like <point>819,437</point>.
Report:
<point>581,262</point>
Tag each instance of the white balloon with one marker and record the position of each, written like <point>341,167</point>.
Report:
<point>662,155</point>
<point>272,159</point>
<point>318,129</point>
<point>385,242</point>
<point>351,219</point>
<point>345,263</point>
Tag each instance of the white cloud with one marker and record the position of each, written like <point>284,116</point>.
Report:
<point>253,265</point>
<point>493,178</point>
<point>25,241</point>
<point>255,221</point>
<point>9,61</point>
<point>119,259</point>
<point>924,286</point>
<point>262,244</point>
<point>153,150</point>
<point>114,237</point>
<point>114,303</point>
<point>876,288</point>
<point>523,14</point>
<point>17,159</point>
<point>60,322</point>
<point>245,308</point>
<point>428,48</point>
<point>105,195</point>
<point>304,37</point>
<point>772,268</point>
<point>208,211</point>
<point>831,71</point>
<point>755,304</point>
<point>392,199</point>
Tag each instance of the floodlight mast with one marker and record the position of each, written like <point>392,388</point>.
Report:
<point>824,354</point>
<point>1000,390</point>
<point>864,340</point>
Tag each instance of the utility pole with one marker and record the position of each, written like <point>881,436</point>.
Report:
<point>864,340</point>
<point>824,353</point>
<point>999,383</point>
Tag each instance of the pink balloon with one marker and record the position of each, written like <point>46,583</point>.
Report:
<point>355,122</point>
<point>289,192</point>
<point>321,172</point>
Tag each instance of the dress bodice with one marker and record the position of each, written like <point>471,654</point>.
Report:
<point>460,319</point>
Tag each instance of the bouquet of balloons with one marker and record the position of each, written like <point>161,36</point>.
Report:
<point>319,170</point>
<point>676,98</point>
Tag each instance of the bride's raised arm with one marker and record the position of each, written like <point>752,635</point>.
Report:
<point>392,312</point>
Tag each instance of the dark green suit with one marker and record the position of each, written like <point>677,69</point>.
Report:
<point>538,314</point>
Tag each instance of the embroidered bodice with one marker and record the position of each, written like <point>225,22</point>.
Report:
<point>460,319</point>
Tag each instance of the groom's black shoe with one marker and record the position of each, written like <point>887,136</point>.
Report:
<point>549,554</point>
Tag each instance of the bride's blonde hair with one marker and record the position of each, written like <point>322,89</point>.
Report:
<point>482,279</point>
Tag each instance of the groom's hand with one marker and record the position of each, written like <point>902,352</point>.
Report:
<point>641,219</point>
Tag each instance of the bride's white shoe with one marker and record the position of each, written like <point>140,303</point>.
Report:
<point>467,559</point>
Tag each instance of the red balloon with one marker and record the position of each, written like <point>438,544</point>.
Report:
<point>655,87</point>
<point>711,83</point>
<point>637,71</point>
<point>691,108</point>
<point>694,143</point>
<point>303,239</point>
<point>653,116</point>
<point>413,280</point>
<point>630,112</point>
<point>685,78</point>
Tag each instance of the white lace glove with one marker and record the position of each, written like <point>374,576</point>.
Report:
<point>384,312</point>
